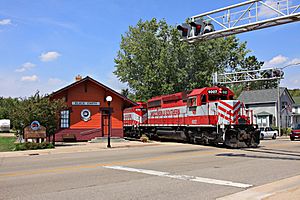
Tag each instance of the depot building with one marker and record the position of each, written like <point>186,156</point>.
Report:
<point>91,109</point>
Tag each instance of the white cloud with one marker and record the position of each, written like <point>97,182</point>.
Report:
<point>113,82</point>
<point>55,81</point>
<point>5,22</point>
<point>49,56</point>
<point>276,61</point>
<point>294,61</point>
<point>14,87</point>
<point>29,78</point>
<point>280,61</point>
<point>25,66</point>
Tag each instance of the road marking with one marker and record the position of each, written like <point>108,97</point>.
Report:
<point>65,169</point>
<point>180,177</point>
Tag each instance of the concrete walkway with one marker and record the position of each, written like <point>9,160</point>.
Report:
<point>288,189</point>
<point>77,147</point>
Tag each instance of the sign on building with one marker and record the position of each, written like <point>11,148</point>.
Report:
<point>85,103</point>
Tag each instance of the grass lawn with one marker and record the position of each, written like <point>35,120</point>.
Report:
<point>7,143</point>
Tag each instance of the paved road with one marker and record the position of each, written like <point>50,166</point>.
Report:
<point>168,171</point>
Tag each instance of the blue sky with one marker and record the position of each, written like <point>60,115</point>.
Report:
<point>44,44</point>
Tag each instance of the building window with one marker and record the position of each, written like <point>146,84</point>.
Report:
<point>262,121</point>
<point>64,119</point>
<point>284,105</point>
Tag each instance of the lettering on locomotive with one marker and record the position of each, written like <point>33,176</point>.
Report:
<point>159,113</point>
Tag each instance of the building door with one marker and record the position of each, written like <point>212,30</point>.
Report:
<point>105,123</point>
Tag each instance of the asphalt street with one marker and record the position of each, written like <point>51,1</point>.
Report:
<point>167,171</point>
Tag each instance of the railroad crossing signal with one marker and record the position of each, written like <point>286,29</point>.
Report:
<point>185,30</point>
<point>248,76</point>
<point>239,18</point>
<point>197,27</point>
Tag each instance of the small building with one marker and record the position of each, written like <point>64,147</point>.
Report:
<point>264,105</point>
<point>87,113</point>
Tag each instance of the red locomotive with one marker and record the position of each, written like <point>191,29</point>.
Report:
<point>206,116</point>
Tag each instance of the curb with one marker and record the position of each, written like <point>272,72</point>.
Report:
<point>270,191</point>
<point>74,149</point>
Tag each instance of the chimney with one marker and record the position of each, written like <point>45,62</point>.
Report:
<point>78,77</point>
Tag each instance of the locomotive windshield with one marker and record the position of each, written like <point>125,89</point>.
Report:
<point>216,97</point>
<point>217,94</point>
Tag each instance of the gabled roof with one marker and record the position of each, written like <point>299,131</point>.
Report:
<point>262,96</point>
<point>87,78</point>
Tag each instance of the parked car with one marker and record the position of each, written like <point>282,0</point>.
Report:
<point>295,134</point>
<point>268,132</point>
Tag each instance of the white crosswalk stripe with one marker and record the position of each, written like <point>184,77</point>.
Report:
<point>181,177</point>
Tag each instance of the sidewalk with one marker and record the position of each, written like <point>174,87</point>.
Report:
<point>288,189</point>
<point>77,147</point>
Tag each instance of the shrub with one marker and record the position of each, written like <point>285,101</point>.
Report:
<point>33,146</point>
<point>284,131</point>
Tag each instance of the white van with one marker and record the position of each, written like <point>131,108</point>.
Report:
<point>4,125</point>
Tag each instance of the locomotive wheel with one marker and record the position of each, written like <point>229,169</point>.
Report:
<point>254,140</point>
<point>231,138</point>
<point>192,140</point>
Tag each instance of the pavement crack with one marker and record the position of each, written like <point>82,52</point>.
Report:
<point>75,188</point>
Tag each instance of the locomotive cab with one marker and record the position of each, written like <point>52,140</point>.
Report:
<point>134,117</point>
<point>215,106</point>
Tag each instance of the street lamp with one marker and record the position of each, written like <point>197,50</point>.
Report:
<point>108,99</point>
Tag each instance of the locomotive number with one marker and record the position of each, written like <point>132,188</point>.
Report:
<point>212,91</point>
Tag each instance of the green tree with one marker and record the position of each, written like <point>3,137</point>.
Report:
<point>6,107</point>
<point>153,61</point>
<point>37,107</point>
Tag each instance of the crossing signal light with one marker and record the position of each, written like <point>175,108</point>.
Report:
<point>208,28</point>
<point>198,26</point>
<point>185,30</point>
<point>278,73</point>
<point>195,28</point>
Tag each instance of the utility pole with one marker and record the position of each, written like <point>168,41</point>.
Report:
<point>278,109</point>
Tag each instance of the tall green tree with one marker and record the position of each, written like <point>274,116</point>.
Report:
<point>23,111</point>
<point>6,107</point>
<point>153,61</point>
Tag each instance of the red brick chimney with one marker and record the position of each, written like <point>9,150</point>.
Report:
<point>78,77</point>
